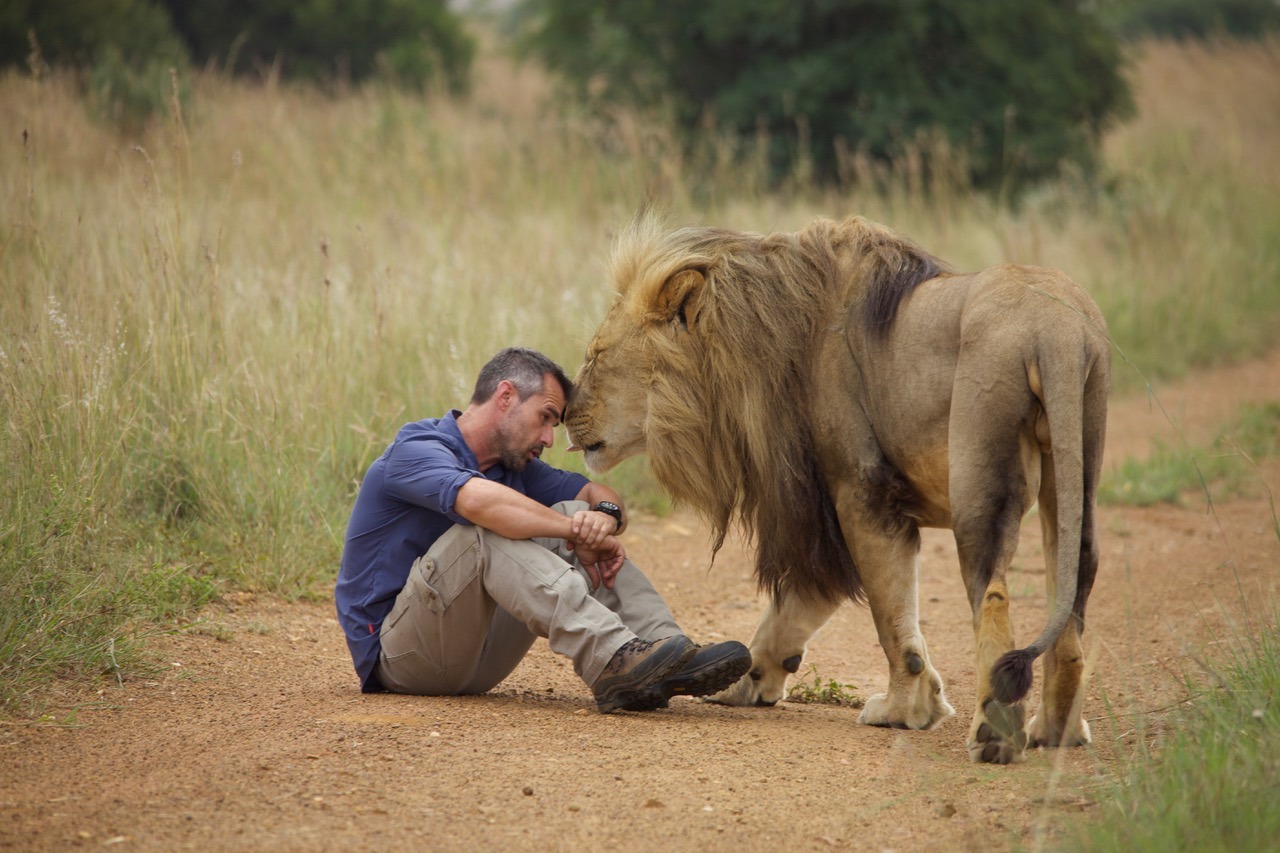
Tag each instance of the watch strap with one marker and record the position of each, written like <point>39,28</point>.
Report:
<point>610,508</point>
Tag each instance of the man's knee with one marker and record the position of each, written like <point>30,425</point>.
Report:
<point>570,507</point>
<point>455,541</point>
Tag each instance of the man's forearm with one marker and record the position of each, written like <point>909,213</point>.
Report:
<point>508,513</point>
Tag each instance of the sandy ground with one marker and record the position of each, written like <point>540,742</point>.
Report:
<point>253,735</point>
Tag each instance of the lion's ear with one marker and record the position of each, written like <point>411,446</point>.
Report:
<point>678,299</point>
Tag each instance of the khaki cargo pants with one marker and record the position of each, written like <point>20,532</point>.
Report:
<point>475,602</point>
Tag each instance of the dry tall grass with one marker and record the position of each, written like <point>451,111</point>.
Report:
<point>207,332</point>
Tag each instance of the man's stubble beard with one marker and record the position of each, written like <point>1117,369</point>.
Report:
<point>512,457</point>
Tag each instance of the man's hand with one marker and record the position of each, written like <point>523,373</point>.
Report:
<point>593,493</point>
<point>603,562</point>
<point>591,528</point>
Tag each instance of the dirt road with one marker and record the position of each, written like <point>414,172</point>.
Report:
<point>255,737</point>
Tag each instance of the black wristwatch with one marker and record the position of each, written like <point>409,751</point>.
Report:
<point>610,508</point>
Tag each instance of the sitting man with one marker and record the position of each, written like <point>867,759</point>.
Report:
<point>464,547</point>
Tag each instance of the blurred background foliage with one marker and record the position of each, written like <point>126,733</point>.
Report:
<point>1017,89</point>
<point>413,42</point>
<point>130,52</point>
<point>1191,18</point>
<point>1020,85</point>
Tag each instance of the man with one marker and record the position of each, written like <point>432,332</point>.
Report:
<point>463,547</point>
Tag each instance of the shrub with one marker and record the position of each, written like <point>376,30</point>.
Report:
<point>418,42</point>
<point>1195,18</point>
<point>1023,85</point>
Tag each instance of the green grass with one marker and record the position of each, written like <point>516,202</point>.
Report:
<point>1228,468</point>
<point>1215,784</point>
<point>813,689</point>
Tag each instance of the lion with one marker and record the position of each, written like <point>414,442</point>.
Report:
<point>834,390</point>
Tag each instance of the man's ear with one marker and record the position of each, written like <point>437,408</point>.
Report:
<point>505,395</point>
<point>680,297</point>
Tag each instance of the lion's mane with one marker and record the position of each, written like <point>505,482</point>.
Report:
<point>728,431</point>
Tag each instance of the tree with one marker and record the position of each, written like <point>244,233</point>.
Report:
<point>416,42</point>
<point>77,33</point>
<point>126,49</point>
<point>1022,85</point>
<point>1194,18</point>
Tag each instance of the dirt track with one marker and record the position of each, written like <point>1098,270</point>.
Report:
<point>255,736</point>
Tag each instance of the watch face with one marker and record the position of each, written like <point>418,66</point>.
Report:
<point>609,508</point>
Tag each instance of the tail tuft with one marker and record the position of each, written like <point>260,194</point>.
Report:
<point>1011,676</point>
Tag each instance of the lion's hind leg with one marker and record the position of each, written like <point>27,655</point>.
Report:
<point>997,733</point>
<point>777,648</point>
<point>995,468</point>
<point>1060,719</point>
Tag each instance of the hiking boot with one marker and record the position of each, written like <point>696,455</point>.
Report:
<point>638,668</point>
<point>710,670</point>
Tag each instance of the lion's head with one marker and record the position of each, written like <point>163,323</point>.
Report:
<point>702,362</point>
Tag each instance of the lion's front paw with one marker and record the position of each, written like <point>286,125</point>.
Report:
<point>878,712</point>
<point>741,692</point>
<point>1043,733</point>
<point>922,704</point>
<point>747,690</point>
<point>997,735</point>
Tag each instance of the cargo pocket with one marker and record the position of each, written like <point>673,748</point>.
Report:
<point>410,671</point>
<point>442,582</point>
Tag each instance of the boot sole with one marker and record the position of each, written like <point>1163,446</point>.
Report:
<point>712,678</point>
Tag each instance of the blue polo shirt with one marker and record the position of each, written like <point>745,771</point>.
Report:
<point>405,503</point>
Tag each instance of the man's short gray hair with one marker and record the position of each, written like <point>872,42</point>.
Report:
<point>522,367</point>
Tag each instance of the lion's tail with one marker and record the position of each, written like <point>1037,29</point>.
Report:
<point>1071,382</point>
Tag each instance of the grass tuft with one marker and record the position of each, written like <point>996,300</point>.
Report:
<point>1168,475</point>
<point>1215,783</point>
<point>823,691</point>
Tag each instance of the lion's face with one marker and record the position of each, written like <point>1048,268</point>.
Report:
<point>640,359</point>
<point>607,415</point>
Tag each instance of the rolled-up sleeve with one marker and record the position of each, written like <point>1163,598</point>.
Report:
<point>425,472</point>
<point>549,485</point>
